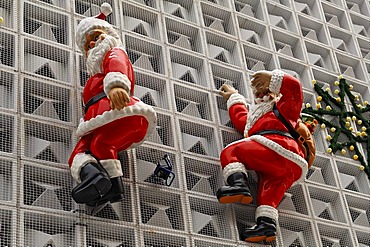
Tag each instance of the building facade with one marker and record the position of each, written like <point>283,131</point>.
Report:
<point>182,52</point>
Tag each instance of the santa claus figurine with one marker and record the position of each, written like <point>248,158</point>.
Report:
<point>114,119</point>
<point>268,149</point>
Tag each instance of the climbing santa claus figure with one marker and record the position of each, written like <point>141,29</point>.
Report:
<point>114,119</point>
<point>268,148</point>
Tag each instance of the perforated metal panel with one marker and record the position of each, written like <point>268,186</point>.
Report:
<point>182,52</point>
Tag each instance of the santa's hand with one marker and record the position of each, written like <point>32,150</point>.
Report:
<point>226,91</point>
<point>261,80</point>
<point>119,98</point>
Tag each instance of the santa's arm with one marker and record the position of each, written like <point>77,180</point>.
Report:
<point>290,88</point>
<point>238,112</point>
<point>118,71</point>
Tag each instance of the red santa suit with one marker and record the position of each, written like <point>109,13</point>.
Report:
<point>104,131</point>
<point>277,159</point>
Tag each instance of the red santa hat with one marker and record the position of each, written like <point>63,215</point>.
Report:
<point>95,22</point>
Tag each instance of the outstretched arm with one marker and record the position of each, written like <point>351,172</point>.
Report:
<point>236,106</point>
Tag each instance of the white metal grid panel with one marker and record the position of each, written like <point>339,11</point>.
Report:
<point>182,52</point>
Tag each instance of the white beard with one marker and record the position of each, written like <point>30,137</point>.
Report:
<point>95,56</point>
<point>257,110</point>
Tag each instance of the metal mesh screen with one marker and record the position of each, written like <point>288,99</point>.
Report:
<point>182,51</point>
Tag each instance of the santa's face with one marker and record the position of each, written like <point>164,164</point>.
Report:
<point>92,37</point>
<point>97,44</point>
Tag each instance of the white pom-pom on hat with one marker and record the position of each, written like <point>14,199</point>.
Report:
<point>106,9</point>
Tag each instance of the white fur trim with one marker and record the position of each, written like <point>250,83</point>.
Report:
<point>283,152</point>
<point>113,167</point>
<point>116,79</point>
<point>235,98</point>
<point>79,161</point>
<point>233,168</point>
<point>267,211</point>
<point>301,162</point>
<point>139,108</point>
<point>276,81</point>
<point>106,9</point>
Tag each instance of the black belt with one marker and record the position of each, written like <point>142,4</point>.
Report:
<point>93,100</point>
<point>273,132</point>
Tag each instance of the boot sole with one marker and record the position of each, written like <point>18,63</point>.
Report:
<point>257,239</point>
<point>91,192</point>
<point>243,199</point>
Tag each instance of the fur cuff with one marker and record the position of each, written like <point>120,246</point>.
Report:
<point>276,81</point>
<point>116,79</point>
<point>79,161</point>
<point>267,211</point>
<point>113,167</point>
<point>235,98</point>
<point>233,168</point>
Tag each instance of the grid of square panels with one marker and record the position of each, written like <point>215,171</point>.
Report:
<point>182,52</point>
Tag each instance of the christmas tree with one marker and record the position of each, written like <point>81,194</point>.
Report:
<point>348,125</point>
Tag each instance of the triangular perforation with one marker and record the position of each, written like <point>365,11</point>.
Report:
<point>221,57</point>
<point>203,186</point>
<point>217,24</point>
<point>50,243</point>
<point>188,77</point>
<point>178,13</point>
<point>354,7</point>
<point>332,20</point>
<point>352,186</point>
<point>48,199</point>
<point>140,29</point>
<point>325,214</point>
<point>354,214</point>
<point>247,9</point>
<point>303,8</point>
<point>183,41</point>
<point>191,179</point>
<point>365,53</point>
<point>160,218</point>
<point>315,174</point>
<point>296,242</point>
<point>147,212</point>
<point>45,70</point>
<point>45,31</point>
<point>198,148</point>
<point>209,230</point>
<point>192,110</point>
<point>46,109</point>
<point>48,155</point>
<point>144,62</point>
<point>107,212</point>
<point>181,104</point>
<point>148,99</point>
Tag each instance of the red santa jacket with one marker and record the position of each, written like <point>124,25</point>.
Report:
<point>261,117</point>
<point>117,71</point>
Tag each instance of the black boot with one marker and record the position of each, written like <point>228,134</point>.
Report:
<point>265,230</point>
<point>237,190</point>
<point>95,183</point>
<point>115,194</point>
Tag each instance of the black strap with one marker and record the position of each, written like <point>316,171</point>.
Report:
<point>273,132</point>
<point>292,131</point>
<point>93,100</point>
